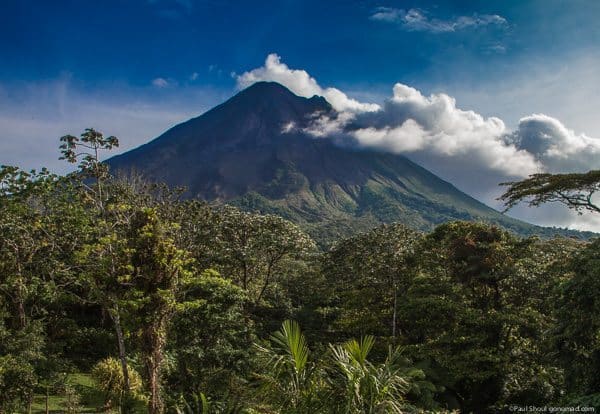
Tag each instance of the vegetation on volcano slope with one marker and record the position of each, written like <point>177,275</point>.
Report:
<point>328,212</point>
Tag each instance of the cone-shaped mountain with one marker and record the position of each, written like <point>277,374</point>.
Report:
<point>244,152</point>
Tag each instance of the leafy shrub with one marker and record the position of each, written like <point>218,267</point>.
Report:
<point>17,382</point>
<point>108,375</point>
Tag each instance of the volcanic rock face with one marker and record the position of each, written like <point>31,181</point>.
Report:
<point>244,152</point>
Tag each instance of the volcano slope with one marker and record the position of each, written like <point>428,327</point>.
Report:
<point>243,153</point>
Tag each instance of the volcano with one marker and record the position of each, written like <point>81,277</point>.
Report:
<point>243,152</point>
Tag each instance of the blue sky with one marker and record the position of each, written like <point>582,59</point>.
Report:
<point>135,68</point>
<point>137,41</point>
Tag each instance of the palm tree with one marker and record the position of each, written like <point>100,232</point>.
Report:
<point>292,383</point>
<point>369,388</point>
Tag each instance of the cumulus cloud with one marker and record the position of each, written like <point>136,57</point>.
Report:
<point>468,150</point>
<point>301,83</point>
<point>417,20</point>
<point>412,123</point>
<point>471,151</point>
<point>434,128</point>
<point>558,148</point>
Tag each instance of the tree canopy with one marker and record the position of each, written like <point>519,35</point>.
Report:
<point>118,294</point>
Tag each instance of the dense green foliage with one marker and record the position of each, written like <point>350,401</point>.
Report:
<point>173,305</point>
<point>109,378</point>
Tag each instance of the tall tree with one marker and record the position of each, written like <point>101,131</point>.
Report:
<point>253,248</point>
<point>104,256</point>
<point>31,272</point>
<point>578,328</point>
<point>24,243</point>
<point>87,149</point>
<point>369,273</point>
<point>161,271</point>
<point>208,341</point>
<point>472,308</point>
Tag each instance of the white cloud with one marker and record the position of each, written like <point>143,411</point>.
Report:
<point>433,127</point>
<point>567,89</point>
<point>301,83</point>
<point>411,123</point>
<point>160,82</point>
<point>558,148</point>
<point>388,14</point>
<point>194,76</point>
<point>447,130</point>
<point>417,20</point>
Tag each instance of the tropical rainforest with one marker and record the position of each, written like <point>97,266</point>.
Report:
<point>120,295</point>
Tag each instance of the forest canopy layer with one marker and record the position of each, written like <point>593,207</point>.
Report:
<point>174,305</point>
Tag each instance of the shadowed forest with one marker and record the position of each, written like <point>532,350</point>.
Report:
<point>119,295</point>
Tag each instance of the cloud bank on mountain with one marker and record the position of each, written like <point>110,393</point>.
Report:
<point>471,151</point>
<point>301,83</point>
